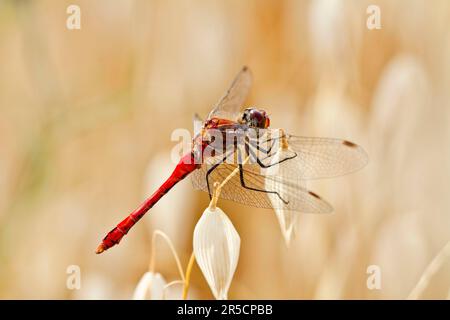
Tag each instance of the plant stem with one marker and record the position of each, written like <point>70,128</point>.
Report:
<point>431,269</point>
<point>188,276</point>
<point>172,249</point>
<point>167,286</point>
<point>218,187</point>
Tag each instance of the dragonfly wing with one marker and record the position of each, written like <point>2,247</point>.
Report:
<point>198,124</point>
<point>327,157</point>
<point>293,196</point>
<point>312,158</point>
<point>229,106</point>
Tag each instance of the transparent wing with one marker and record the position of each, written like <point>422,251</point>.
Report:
<point>327,157</point>
<point>276,192</point>
<point>198,124</point>
<point>312,158</point>
<point>229,106</point>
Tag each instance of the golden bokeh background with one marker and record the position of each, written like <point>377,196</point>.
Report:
<point>86,118</point>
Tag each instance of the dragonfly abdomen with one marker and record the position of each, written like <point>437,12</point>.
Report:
<point>184,167</point>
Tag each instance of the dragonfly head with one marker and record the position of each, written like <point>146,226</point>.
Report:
<point>255,118</point>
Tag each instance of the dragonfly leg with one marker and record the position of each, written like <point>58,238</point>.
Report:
<point>241,174</point>
<point>262,165</point>
<point>259,148</point>
<point>210,170</point>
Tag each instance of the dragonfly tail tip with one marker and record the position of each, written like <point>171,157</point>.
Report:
<point>100,249</point>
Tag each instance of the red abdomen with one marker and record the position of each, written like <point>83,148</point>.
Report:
<point>184,167</point>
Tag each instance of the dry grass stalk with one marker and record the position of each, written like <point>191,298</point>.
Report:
<point>430,271</point>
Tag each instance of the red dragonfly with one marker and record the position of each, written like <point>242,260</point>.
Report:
<point>230,139</point>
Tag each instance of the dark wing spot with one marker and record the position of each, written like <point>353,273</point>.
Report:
<point>313,194</point>
<point>349,144</point>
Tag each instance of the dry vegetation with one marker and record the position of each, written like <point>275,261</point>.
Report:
<point>86,118</point>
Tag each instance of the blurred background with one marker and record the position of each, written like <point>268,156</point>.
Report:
<point>86,118</point>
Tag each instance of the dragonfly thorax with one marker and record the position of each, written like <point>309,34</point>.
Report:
<point>256,118</point>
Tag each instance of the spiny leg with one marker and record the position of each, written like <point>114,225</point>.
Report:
<point>210,170</point>
<point>255,143</point>
<point>241,175</point>
<point>262,165</point>
<point>259,148</point>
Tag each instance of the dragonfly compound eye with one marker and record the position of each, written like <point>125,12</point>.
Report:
<point>257,118</point>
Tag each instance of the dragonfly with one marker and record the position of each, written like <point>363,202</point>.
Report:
<point>273,165</point>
